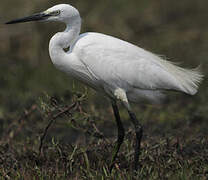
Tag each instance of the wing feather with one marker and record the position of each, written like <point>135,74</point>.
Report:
<point>119,63</point>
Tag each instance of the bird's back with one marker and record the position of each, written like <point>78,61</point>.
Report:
<point>117,63</point>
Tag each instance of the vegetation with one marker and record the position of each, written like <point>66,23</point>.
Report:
<point>52,127</point>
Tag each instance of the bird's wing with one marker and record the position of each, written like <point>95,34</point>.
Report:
<point>119,63</point>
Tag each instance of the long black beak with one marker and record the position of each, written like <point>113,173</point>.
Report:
<point>34,17</point>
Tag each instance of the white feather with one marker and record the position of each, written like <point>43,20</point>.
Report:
<point>107,63</point>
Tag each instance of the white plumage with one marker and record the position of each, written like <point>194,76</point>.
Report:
<point>107,63</point>
<point>119,69</point>
<point>114,63</point>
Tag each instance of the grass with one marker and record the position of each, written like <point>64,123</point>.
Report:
<point>30,151</point>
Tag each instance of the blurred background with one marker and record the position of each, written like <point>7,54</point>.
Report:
<point>176,29</point>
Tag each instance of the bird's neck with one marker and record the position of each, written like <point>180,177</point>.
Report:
<point>62,40</point>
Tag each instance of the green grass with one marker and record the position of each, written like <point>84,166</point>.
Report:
<point>88,155</point>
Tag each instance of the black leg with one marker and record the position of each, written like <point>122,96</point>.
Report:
<point>139,133</point>
<point>121,133</point>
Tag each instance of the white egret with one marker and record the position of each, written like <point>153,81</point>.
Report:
<point>120,70</point>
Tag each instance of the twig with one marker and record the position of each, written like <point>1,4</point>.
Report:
<point>99,133</point>
<point>51,122</point>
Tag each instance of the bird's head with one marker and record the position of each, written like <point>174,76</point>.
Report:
<point>62,12</point>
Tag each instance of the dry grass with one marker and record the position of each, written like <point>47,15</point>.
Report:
<point>27,153</point>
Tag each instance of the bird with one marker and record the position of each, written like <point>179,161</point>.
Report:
<point>119,70</point>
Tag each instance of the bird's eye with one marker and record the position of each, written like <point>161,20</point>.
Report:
<point>55,13</point>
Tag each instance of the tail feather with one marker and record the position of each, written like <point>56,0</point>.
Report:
<point>191,79</point>
<point>188,79</point>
